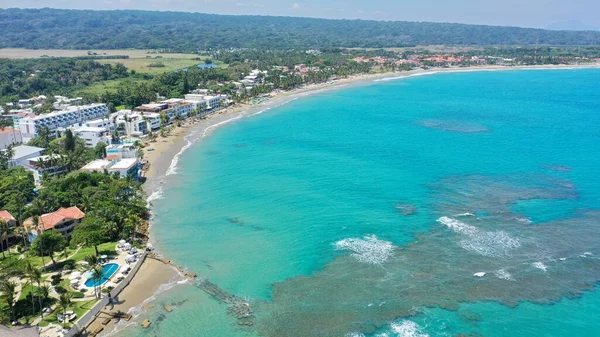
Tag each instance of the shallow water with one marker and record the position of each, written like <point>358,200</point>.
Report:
<point>386,210</point>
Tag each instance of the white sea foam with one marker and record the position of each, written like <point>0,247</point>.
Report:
<point>526,221</point>
<point>393,78</point>
<point>369,249</point>
<point>407,328</point>
<point>503,274</point>
<point>563,258</point>
<point>587,253</point>
<point>480,274</point>
<point>539,265</point>
<point>491,244</point>
<point>156,195</point>
<point>355,334</point>
<point>464,214</point>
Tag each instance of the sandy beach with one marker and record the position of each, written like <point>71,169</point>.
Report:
<point>163,158</point>
<point>149,281</point>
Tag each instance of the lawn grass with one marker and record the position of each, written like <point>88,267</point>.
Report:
<point>108,248</point>
<point>28,289</point>
<point>110,86</point>
<point>142,65</point>
<point>78,307</point>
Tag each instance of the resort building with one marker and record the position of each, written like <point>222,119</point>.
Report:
<point>23,153</point>
<point>10,136</point>
<point>18,115</point>
<point>127,167</point>
<point>121,151</point>
<point>44,165</point>
<point>30,126</point>
<point>93,135</point>
<point>11,221</point>
<point>64,220</point>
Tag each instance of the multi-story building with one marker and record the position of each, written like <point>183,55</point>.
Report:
<point>64,220</point>
<point>93,135</point>
<point>43,165</point>
<point>10,136</point>
<point>121,151</point>
<point>23,153</point>
<point>30,126</point>
<point>127,167</point>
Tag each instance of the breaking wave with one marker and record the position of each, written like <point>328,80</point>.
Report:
<point>408,328</point>
<point>490,244</point>
<point>156,195</point>
<point>540,265</point>
<point>504,275</point>
<point>369,249</point>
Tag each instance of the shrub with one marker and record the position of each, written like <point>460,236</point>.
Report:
<point>60,290</point>
<point>55,279</point>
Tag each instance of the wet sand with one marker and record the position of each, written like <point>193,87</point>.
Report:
<point>147,282</point>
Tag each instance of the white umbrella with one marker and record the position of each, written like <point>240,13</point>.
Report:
<point>133,250</point>
<point>103,257</point>
<point>126,246</point>
<point>121,243</point>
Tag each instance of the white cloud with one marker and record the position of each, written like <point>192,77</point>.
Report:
<point>295,5</point>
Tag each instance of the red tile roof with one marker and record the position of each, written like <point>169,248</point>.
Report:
<point>6,216</point>
<point>50,220</point>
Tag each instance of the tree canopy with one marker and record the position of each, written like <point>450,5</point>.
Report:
<point>87,29</point>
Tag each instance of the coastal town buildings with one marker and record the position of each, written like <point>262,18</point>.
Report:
<point>9,137</point>
<point>64,221</point>
<point>125,167</point>
<point>30,126</point>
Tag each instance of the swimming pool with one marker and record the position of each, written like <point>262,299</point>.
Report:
<point>107,271</point>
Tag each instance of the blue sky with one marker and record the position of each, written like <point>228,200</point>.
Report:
<point>525,13</point>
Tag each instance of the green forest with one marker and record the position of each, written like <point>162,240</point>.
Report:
<point>86,29</point>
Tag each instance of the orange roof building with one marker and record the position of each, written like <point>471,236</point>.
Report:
<point>6,216</point>
<point>63,220</point>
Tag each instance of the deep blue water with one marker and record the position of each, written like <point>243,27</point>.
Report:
<point>456,203</point>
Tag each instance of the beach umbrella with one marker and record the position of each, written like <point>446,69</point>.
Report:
<point>133,250</point>
<point>103,257</point>
<point>127,246</point>
<point>75,275</point>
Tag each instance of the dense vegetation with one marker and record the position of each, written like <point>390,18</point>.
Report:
<point>69,29</point>
<point>28,77</point>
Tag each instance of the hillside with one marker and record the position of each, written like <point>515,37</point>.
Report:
<point>76,29</point>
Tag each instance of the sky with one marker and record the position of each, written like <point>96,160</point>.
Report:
<point>559,14</point>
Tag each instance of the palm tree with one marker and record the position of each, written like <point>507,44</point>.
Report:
<point>45,290</point>
<point>92,260</point>
<point>64,302</point>
<point>21,232</point>
<point>36,222</point>
<point>97,277</point>
<point>36,276</point>
<point>5,230</point>
<point>8,294</point>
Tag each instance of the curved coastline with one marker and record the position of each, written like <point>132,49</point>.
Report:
<point>164,161</point>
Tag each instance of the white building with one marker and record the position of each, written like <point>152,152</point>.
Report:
<point>10,136</point>
<point>125,167</point>
<point>23,153</point>
<point>38,170</point>
<point>100,123</point>
<point>93,135</point>
<point>121,151</point>
<point>30,126</point>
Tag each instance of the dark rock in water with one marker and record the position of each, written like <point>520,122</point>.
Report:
<point>236,221</point>
<point>558,168</point>
<point>469,316</point>
<point>406,209</point>
<point>453,125</point>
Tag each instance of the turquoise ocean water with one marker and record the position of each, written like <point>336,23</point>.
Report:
<point>441,205</point>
